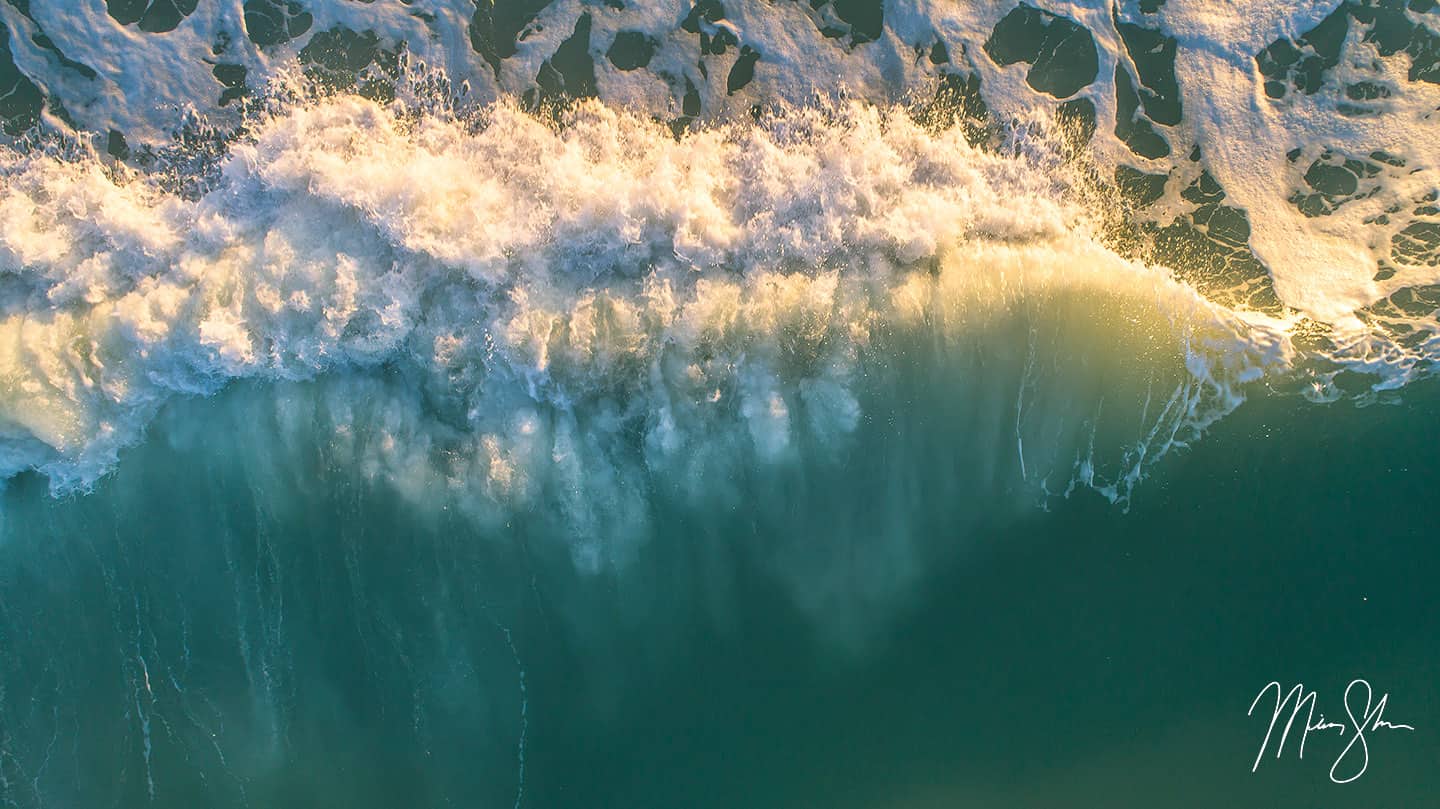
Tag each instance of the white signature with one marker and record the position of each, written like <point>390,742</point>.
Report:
<point>1363,719</point>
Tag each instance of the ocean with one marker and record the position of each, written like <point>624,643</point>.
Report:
<point>719,404</point>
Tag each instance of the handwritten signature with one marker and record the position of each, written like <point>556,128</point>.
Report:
<point>1363,719</point>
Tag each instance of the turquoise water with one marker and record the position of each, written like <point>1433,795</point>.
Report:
<point>840,404</point>
<point>185,630</point>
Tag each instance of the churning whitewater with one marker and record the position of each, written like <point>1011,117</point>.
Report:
<point>501,306</point>
<point>707,403</point>
<point>502,295</point>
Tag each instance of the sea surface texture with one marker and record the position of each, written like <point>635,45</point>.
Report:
<point>730,403</point>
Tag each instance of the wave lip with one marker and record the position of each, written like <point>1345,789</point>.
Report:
<point>554,291</point>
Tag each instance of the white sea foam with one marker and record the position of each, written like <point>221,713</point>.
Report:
<point>503,312</point>
<point>831,345</point>
<point>1323,268</point>
<point>552,289</point>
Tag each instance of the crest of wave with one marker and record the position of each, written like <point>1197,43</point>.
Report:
<point>587,319</point>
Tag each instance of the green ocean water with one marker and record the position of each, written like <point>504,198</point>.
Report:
<point>717,404</point>
<point>192,635</point>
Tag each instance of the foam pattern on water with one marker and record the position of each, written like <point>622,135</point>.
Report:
<point>717,263</point>
<point>563,295</point>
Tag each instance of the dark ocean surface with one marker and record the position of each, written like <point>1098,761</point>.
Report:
<point>181,637</point>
